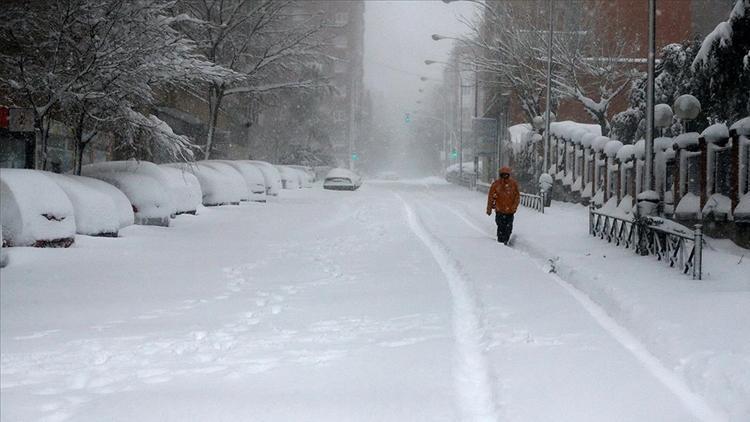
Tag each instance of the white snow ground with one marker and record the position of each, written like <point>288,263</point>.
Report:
<point>390,303</point>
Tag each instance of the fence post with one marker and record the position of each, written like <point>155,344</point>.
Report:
<point>591,218</point>
<point>698,258</point>
<point>544,200</point>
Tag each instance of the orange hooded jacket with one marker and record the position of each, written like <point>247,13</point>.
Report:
<point>504,195</point>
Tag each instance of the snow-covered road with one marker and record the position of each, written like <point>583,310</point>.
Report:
<point>391,303</point>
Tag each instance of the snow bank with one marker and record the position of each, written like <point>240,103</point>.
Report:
<point>184,188</point>
<point>253,178</point>
<point>95,212</point>
<point>123,208</point>
<point>271,177</point>
<point>34,211</point>
<point>145,185</point>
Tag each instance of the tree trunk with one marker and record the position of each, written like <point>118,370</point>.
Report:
<point>42,138</point>
<point>216,94</point>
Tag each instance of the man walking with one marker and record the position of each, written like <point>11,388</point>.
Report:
<point>504,198</point>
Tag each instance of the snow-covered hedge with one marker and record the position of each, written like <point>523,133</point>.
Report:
<point>95,212</point>
<point>143,183</point>
<point>271,177</point>
<point>184,188</point>
<point>253,178</point>
<point>289,177</point>
<point>34,211</point>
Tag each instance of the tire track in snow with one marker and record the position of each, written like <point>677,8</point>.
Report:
<point>473,384</point>
<point>693,402</point>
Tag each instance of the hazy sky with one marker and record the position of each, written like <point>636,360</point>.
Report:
<point>397,41</point>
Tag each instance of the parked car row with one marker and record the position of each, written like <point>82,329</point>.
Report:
<point>40,208</point>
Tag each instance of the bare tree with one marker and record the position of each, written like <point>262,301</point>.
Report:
<point>258,41</point>
<point>101,65</point>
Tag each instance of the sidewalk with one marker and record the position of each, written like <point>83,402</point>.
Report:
<point>698,328</point>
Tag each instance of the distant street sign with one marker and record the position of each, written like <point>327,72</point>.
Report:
<point>485,135</point>
<point>21,120</point>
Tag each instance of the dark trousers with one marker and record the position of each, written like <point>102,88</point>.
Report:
<point>504,226</point>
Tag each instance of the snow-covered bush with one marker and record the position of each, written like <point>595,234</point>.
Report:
<point>143,183</point>
<point>95,212</point>
<point>253,178</point>
<point>184,188</point>
<point>271,177</point>
<point>34,211</point>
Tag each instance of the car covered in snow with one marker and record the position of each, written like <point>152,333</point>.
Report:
<point>253,177</point>
<point>95,211</point>
<point>217,187</point>
<point>144,184</point>
<point>290,178</point>
<point>308,175</point>
<point>232,177</point>
<point>185,189</point>
<point>342,179</point>
<point>271,176</point>
<point>34,210</point>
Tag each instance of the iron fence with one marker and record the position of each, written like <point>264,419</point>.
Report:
<point>535,202</point>
<point>681,249</point>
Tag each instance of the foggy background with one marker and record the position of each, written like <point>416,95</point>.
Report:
<point>397,42</point>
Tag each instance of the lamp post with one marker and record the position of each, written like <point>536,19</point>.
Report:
<point>650,95</point>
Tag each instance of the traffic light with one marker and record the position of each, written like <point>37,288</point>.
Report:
<point>355,156</point>
<point>454,153</point>
<point>407,117</point>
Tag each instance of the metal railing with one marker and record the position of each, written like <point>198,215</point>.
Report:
<point>535,202</point>
<point>677,249</point>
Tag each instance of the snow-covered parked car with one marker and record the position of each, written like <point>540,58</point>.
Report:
<point>232,178</point>
<point>3,254</point>
<point>34,210</point>
<point>185,189</point>
<point>271,177</point>
<point>145,185</point>
<point>342,179</point>
<point>95,212</point>
<point>308,175</point>
<point>216,187</point>
<point>290,178</point>
<point>253,177</point>
<point>123,207</point>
